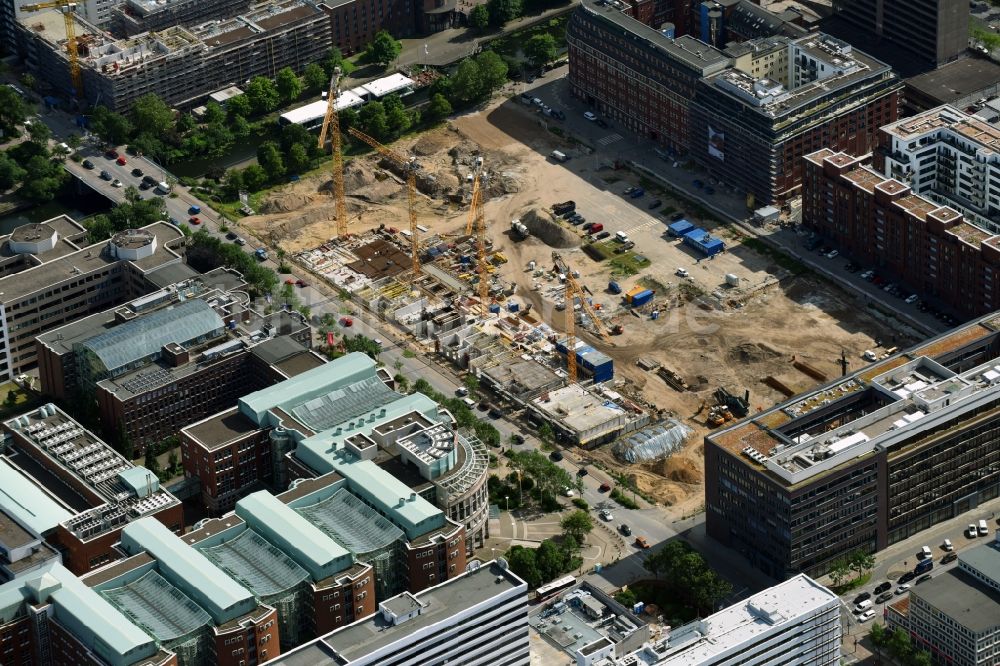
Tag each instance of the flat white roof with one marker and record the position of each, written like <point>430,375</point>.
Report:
<point>388,85</point>
<point>315,110</point>
<point>746,621</point>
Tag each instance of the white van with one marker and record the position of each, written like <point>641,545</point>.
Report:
<point>863,606</point>
<point>982,528</point>
<point>947,545</point>
<point>621,236</point>
<point>162,188</point>
<point>559,156</point>
<point>925,552</point>
<point>469,402</point>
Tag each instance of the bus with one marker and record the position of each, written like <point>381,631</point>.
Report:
<point>550,590</point>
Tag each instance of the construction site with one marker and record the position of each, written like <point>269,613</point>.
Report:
<point>460,238</point>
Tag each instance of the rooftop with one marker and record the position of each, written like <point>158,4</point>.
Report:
<point>708,640</point>
<point>577,408</point>
<point>67,266</point>
<point>28,502</point>
<point>159,608</point>
<point>187,568</point>
<point>221,429</point>
<point>962,598</point>
<point>351,522</point>
<point>944,119</point>
<point>256,564</point>
<point>956,80</point>
<point>447,603</point>
<point>984,560</point>
<point>692,52</point>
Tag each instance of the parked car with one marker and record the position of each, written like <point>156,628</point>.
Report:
<point>116,183</point>
<point>864,596</point>
<point>655,203</point>
<point>137,172</point>
<point>832,254</point>
<point>903,589</point>
<point>907,577</point>
<point>556,456</point>
<point>106,175</point>
<point>587,226</point>
<point>606,515</point>
<point>346,322</point>
<point>924,579</point>
<point>677,216</point>
<point>602,235</point>
<point>911,299</point>
<point>144,186</point>
<point>883,587</point>
<point>867,615</point>
<point>121,161</point>
<point>582,472</point>
<point>640,542</point>
<point>637,193</point>
<point>301,283</point>
<point>950,557</point>
<point>517,438</point>
<point>87,164</point>
<point>111,153</point>
<point>882,598</point>
<point>604,488</point>
<point>194,220</point>
<point>231,235</point>
<point>625,529</point>
<point>589,115</point>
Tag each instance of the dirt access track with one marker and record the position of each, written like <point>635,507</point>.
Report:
<point>767,326</point>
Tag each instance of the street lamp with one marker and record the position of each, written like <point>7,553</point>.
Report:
<point>506,499</point>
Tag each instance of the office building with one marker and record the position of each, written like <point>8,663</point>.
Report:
<point>747,113</point>
<point>50,275</point>
<point>956,615</point>
<point>400,454</point>
<point>934,31</point>
<point>478,619</point>
<point>925,245</point>
<point>157,363</point>
<point>948,156</point>
<point>67,486</point>
<point>863,462</point>
<point>133,17</point>
<point>180,64</point>
<point>794,622</point>
<point>186,603</point>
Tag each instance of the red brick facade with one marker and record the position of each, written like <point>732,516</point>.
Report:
<point>878,221</point>
<point>434,562</point>
<point>252,641</point>
<point>344,601</point>
<point>228,472</point>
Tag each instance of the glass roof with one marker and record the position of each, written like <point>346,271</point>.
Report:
<point>159,608</point>
<point>257,564</point>
<point>137,339</point>
<point>351,522</point>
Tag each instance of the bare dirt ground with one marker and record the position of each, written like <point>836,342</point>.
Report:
<point>753,331</point>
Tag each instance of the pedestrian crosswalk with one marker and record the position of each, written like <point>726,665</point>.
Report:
<point>609,139</point>
<point>645,225</point>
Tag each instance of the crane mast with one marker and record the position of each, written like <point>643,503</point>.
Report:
<point>573,290</point>
<point>67,9</point>
<point>331,126</point>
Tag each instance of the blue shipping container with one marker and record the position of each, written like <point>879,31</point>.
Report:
<point>642,298</point>
<point>513,307</point>
<point>494,308</point>
<point>702,241</point>
<point>680,227</point>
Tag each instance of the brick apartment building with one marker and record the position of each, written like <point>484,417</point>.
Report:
<point>863,462</point>
<point>747,113</point>
<point>50,275</point>
<point>881,222</point>
<point>84,491</point>
<point>158,363</point>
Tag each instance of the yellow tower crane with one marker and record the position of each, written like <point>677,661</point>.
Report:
<point>482,264</point>
<point>411,190</point>
<point>67,9</point>
<point>476,195</point>
<point>573,290</point>
<point>331,126</point>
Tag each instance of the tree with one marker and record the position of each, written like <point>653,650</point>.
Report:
<point>13,110</point>
<point>492,70</point>
<point>289,85</point>
<point>523,563</point>
<point>899,644</point>
<point>471,383</point>
<point>402,383</point>
<point>240,127</point>
<point>479,18</point>
<point>73,141</point>
<point>540,49</point>
<point>263,95</point>
<point>467,82</point>
<point>150,462</point>
<point>373,121</point>
<point>365,345</point>
<point>214,115</point>
<point>396,117</point>
<point>110,126</point>
<point>298,159</point>
<point>269,158</point>
<point>172,460</point>
<point>254,177</point>
<point>840,569</point>
<point>550,560</point>
<point>922,658</point>
<point>185,123</point>
<point>439,108</point>
<point>11,172</point>
<point>879,634</point>
<point>626,597</point>
<point>314,77</point>
<point>862,562</point>
<point>502,11</point>
<point>40,134</point>
<point>42,179</point>
<point>546,433</point>
<point>577,524</point>
<point>151,114</point>
<point>383,49</point>
<point>11,398</point>
<point>238,106</point>
<point>334,58</point>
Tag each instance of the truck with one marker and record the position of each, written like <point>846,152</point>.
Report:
<point>518,230</point>
<point>261,253</point>
<point>559,156</point>
<point>564,207</point>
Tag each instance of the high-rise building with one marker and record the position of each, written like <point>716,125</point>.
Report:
<point>477,619</point>
<point>864,461</point>
<point>936,31</point>
<point>956,615</point>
